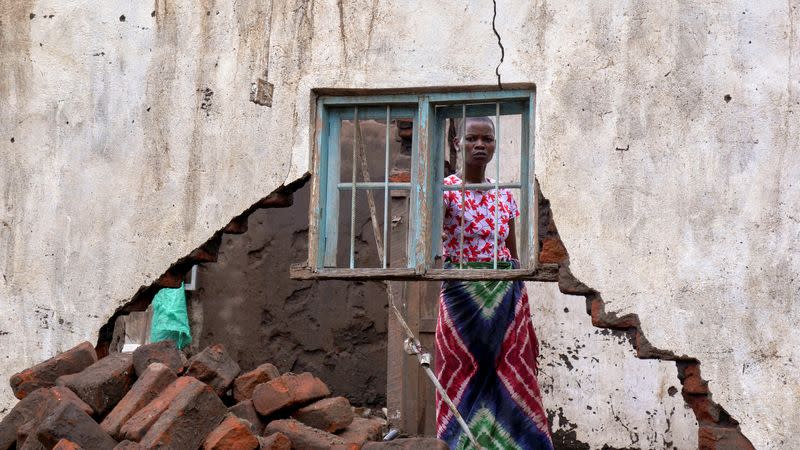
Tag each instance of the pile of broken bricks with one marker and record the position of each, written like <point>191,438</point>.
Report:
<point>156,398</point>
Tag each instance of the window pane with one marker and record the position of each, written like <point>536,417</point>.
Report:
<point>372,166</point>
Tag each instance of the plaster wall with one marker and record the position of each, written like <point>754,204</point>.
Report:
<point>134,140</point>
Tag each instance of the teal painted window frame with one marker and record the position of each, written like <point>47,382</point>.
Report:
<point>430,111</point>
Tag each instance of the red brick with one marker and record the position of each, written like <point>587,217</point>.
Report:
<point>151,383</point>
<point>288,390</point>
<point>232,434</point>
<point>704,409</point>
<point>237,225</point>
<point>32,410</point>
<point>129,445</point>
<point>214,367</point>
<point>362,430</point>
<point>408,444</point>
<point>164,352</point>
<point>193,413</point>
<point>136,427</point>
<point>45,373</point>
<point>66,444</point>
<point>26,437</point>
<point>29,408</point>
<point>246,411</point>
<point>63,393</point>
<point>328,414</point>
<point>722,438</point>
<point>103,384</point>
<point>244,384</point>
<point>693,383</point>
<point>275,441</point>
<point>69,422</point>
<point>552,252</point>
<point>303,436</point>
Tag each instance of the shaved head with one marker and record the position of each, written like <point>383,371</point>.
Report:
<point>482,119</point>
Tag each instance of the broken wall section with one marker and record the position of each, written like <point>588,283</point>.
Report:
<point>247,302</point>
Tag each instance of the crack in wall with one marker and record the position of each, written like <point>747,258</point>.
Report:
<point>716,428</point>
<point>499,44</point>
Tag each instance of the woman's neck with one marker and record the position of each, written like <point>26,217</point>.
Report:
<point>474,174</point>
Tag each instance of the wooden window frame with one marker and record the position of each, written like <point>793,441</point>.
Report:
<point>430,109</point>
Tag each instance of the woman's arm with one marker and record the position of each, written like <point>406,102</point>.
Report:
<point>511,240</point>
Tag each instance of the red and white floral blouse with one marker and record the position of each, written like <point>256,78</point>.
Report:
<point>478,223</point>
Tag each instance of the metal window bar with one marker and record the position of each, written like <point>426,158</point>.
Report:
<point>496,181</point>
<point>375,185</point>
<point>386,190</point>
<point>353,196</point>
<point>463,184</point>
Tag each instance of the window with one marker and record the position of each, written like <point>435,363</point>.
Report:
<point>380,162</point>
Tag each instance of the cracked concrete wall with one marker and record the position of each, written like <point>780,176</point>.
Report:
<point>666,136</point>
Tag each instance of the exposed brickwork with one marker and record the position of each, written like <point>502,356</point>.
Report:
<point>104,383</point>
<point>288,390</point>
<point>328,414</point>
<point>165,352</point>
<point>215,367</point>
<point>151,383</point>
<point>245,383</point>
<point>232,434</point>
<point>45,374</point>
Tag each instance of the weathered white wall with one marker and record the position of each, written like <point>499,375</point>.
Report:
<point>595,389</point>
<point>694,227</point>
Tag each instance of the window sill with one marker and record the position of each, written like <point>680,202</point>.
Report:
<point>545,272</point>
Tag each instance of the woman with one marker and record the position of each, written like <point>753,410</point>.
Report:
<point>486,348</point>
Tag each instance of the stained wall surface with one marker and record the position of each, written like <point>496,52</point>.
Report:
<point>666,140</point>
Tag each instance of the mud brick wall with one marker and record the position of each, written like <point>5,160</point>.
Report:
<point>247,302</point>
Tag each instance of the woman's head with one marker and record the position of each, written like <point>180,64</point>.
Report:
<point>479,142</point>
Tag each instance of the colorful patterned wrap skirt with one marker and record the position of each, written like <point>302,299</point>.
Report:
<point>486,353</point>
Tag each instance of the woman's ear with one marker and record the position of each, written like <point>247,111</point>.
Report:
<point>457,142</point>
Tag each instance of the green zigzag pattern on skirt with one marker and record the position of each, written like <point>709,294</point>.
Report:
<point>488,294</point>
<point>488,432</point>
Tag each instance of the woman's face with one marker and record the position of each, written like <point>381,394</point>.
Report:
<point>479,142</point>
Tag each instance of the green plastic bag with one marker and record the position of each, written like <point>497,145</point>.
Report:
<point>170,319</point>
